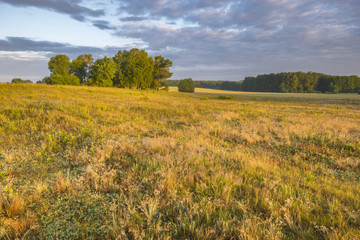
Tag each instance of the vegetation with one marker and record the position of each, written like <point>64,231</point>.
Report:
<point>127,69</point>
<point>186,85</point>
<point>19,80</point>
<point>95,163</point>
<point>287,82</point>
<point>221,85</point>
<point>298,82</point>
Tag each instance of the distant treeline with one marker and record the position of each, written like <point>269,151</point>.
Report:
<point>221,85</point>
<point>298,82</point>
<point>287,82</point>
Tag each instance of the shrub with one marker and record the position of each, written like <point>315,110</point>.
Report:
<point>19,80</point>
<point>186,85</point>
<point>66,79</point>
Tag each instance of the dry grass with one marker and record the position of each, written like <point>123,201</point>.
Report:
<point>106,163</point>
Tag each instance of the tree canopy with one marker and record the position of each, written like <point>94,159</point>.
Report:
<point>59,64</point>
<point>134,69</point>
<point>128,69</point>
<point>81,67</point>
<point>102,72</point>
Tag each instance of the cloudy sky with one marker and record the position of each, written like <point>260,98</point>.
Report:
<point>206,39</point>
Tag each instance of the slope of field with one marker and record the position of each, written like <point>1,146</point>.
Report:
<point>107,163</point>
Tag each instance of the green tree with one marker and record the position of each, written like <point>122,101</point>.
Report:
<point>119,78</point>
<point>102,72</point>
<point>59,64</point>
<point>59,67</point>
<point>186,85</point>
<point>134,69</point>
<point>81,67</point>
<point>290,83</point>
<point>161,71</point>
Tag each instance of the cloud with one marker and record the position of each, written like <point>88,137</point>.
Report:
<point>103,25</point>
<point>133,19</point>
<point>70,7</point>
<point>230,38</point>
<point>281,34</point>
<point>16,44</point>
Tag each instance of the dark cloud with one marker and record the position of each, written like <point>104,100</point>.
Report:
<point>262,14</point>
<point>103,25</point>
<point>50,48</point>
<point>260,35</point>
<point>70,7</point>
<point>133,19</point>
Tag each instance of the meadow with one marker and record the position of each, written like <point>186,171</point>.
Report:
<point>110,163</point>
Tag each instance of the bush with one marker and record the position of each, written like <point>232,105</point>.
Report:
<point>19,80</point>
<point>66,79</point>
<point>186,85</point>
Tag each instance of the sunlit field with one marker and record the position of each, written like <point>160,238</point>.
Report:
<point>202,92</point>
<point>109,163</point>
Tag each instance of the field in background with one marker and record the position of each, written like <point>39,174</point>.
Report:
<point>92,163</point>
<point>202,92</point>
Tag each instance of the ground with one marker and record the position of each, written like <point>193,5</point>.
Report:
<point>107,163</point>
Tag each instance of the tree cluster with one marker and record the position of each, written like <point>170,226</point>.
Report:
<point>128,69</point>
<point>298,82</point>
<point>19,80</point>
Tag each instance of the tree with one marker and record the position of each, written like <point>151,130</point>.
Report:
<point>119,78</point>
<point>161,71</point>
<point>134,69</point>
<point>59,64</point>
<point>186,85</point>
<point>290,83</point>
<point>81,67</point>
<point>102,72</point>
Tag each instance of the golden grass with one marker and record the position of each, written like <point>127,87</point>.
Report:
<point>107,163</point>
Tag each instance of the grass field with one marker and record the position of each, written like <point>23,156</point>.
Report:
<point>353,98</point>
<point>107,163</point>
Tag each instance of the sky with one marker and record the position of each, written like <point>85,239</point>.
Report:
<point>205,39</point>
